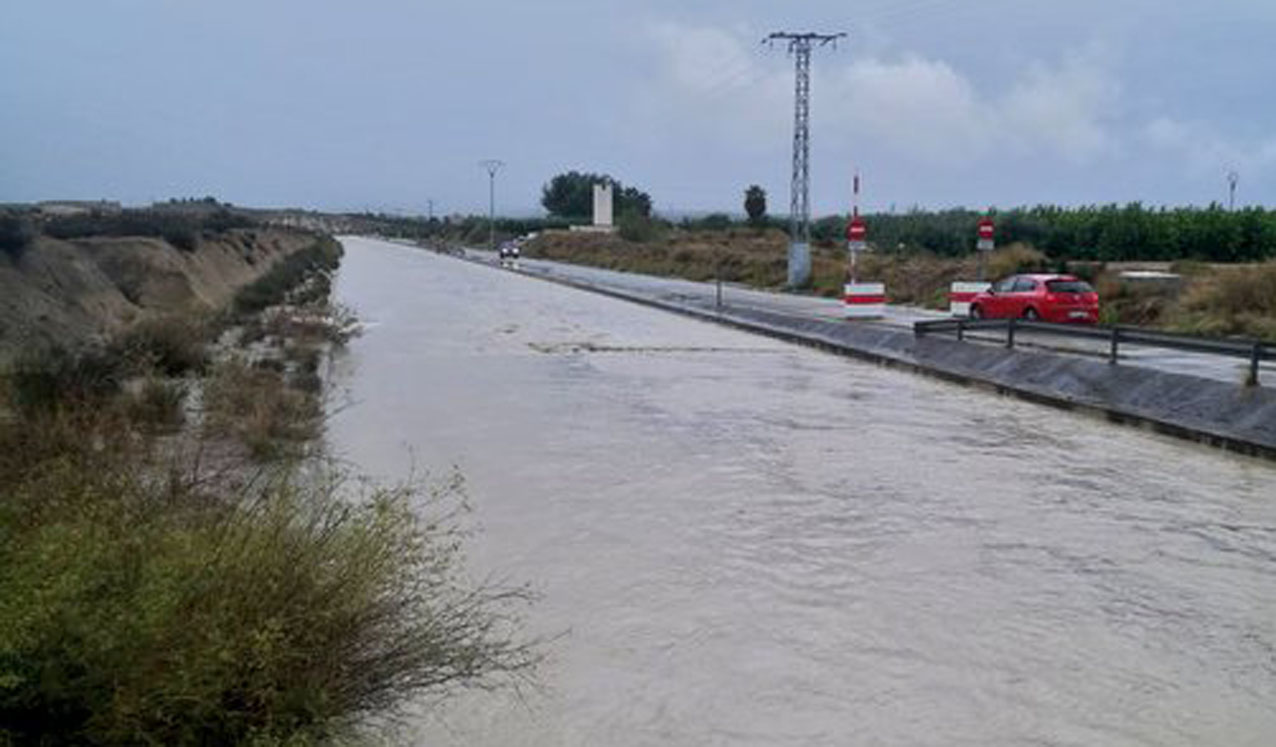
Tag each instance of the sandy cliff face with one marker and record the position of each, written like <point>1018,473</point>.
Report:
<point>77,291</point>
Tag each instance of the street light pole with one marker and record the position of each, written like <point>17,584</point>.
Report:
<point>491,165</point>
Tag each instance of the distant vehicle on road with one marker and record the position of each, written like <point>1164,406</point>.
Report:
<point>1038,297</point>
<point>509,251</point>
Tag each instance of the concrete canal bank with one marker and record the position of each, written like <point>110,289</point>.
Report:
<point>1225,415</point>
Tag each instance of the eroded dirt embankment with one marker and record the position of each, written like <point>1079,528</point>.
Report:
<point>74,292</point>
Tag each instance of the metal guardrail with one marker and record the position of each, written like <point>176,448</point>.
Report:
<point>1255,351</point>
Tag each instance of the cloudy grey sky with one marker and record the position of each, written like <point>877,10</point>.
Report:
<point>384,104</point>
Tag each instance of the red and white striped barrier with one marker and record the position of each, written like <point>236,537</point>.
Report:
<point>864,300</point>
<point>961,294</point>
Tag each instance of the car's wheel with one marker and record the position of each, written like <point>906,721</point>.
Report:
<point>1031,315</point>
<point>976,312</point>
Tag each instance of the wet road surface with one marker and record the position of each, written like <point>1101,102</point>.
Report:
<point>1219,368</point>
<point>739,541</point>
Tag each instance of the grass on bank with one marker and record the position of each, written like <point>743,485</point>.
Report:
<point>759,258</point>
<point>157,587</point>
<point>257,407</point>
<point>1230,301</point>
<point>302,278</point>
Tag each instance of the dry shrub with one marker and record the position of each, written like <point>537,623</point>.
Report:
<point>314,324</point>
<point>1015,258</point>
<point>148,601</point>
<point>157,404</point>
<point>172,344</point>
<point>1191,268</point>
<point>753,257</point>
<point>144,611</point>
<point>148,598</point>
<point>1233,301</point>
<point>759,258</point>
<point>1135,303</point>
<point>1237,290</point>
<point>256,407</point>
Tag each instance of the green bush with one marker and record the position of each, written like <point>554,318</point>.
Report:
<point>181,228</point>
<point>47,380</point>
<point>713,222</point>
<point>638,228</point>
<point>145,612</point>
<point>16,234</point>
<point>272,288</point>
<point>151,595</point>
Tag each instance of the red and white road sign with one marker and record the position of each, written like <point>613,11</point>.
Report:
<point>985,243</point>
<point>856,230</point>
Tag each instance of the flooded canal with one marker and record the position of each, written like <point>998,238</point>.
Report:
<point>743,542</point>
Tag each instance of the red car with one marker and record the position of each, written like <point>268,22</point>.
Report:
<point>1048,298</point>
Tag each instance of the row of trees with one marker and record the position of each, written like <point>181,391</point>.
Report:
<point>1097,232</point>
<point>1103,233</point>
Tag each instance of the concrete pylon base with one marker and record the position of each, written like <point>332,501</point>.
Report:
<point>799,265</point>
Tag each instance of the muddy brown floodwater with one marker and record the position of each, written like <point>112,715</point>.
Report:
<point>742,542</point>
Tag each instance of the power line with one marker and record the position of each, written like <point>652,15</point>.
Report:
<point>799,45</point>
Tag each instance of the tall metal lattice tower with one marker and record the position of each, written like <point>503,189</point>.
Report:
<point>800,45</point>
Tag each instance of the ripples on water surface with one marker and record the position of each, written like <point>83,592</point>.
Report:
<point>746,542</point>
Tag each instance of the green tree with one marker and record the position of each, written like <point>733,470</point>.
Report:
<point>755,205</point>
<point>633,200</point>
<point>16,234</point>
<point>571,195</point>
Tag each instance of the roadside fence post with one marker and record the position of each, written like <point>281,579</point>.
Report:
<point>1255,355</point>
<point>1116,336</point>
<point>717,277</point>
<point>961,330</point>
<point>1010,334</point>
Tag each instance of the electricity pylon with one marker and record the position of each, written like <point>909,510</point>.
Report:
<point>799,45</point>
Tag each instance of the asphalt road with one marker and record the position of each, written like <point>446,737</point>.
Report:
<point>703,294</point>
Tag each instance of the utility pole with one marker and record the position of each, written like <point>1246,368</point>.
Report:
<point>799,45</point>
<point>491,165</point>
<point>1232,178</point>
<point>430,214</point>
<point>855,234</point>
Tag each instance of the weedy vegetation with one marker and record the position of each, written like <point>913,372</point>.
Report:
<point>179,564</point>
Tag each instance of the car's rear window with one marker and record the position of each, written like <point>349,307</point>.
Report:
<point>1068,286</point>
